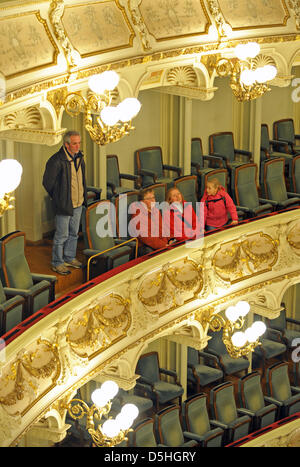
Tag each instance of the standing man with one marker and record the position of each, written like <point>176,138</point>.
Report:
<point>64,180</point>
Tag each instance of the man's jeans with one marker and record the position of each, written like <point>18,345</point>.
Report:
<point>65,238</point>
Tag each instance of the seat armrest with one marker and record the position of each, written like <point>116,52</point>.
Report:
<point>41,277</point>
<point>271,400</point>
<point>292,320</point>
<point>112,186</point>
<point>214,158</point>
<point>213,359</point>
<point>243,411</point>
<point>129,177</point>
<point>89,252</point>
<point>293,195</point>
<point>12,302</point>
<point>149,173</point>
<point>295,389</point>
<point>174,168</point>
<point>169,373</point>
<point>218,424</point>
<point>243,152</point>
<point>270,201</point>
<point>194,436</point>
<point>297,136</point>
<point>244,208</point>
<point>273,334</point>
<point>144,381</point>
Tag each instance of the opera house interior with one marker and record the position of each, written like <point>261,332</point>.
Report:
<point>196,344</point>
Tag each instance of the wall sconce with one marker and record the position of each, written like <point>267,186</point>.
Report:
<point>112,431</point>
<point>238,343</point>
<point>10,177</point>
<point>250,72</point>
<point>105,123</point>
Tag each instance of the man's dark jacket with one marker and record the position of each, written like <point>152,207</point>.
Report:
<point>57,182</point>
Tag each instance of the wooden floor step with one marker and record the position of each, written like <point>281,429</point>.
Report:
<point>39,261</point>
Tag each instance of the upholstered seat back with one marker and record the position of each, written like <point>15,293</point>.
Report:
<point>144,434</point>
<point>296,175</point>
<point>279,383</point>
<point>223,144</point>
<point>193,356</point>
<point>196,152</point>
<point>188,188</point>
<point>264,137</point>
<point>169,427</point>
<point>123,212</point>
<point>224,404</point>
<point>112,170</point>
<point>274,180</point>
<point>246,189</point>
<point>216,343</point>
<point>279,323</point>
<point>151,159</point>
<point>284,130</point>
<point>148,366</point>
<point>13,262</point>
<point>252,394</point>
<point>100,223</point>
<point>197,420</point>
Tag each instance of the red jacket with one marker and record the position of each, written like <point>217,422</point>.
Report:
<point>181,225</point>
<point>216,208</point>
<point>140,226</point>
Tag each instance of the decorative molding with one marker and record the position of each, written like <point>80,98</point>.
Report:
<point>56,12</point>
<point>138,21</point>
<point>295,6</point>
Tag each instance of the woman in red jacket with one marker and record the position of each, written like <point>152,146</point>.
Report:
<point>180,220</point>
<point>146,223</point>
<point>217,203</point>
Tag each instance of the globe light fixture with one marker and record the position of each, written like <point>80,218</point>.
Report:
<point>104,121</point>
<point>113,430</point>
<point>10,177</point>
<point>238,342</point>
<point>249,71</point>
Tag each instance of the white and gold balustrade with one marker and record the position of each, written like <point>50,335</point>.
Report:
<point>179,295</point>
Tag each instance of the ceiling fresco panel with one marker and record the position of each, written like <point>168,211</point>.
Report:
<point>166,19</point>
<point>243,14</point>
<point>97,27</point>
<point>26,44</point>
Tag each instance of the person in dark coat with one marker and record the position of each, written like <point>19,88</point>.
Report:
<point>64,180</point>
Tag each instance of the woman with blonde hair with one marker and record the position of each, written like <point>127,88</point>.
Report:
<point>217,205</point>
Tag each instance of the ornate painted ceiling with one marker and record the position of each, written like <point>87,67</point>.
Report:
<point>51,47</point>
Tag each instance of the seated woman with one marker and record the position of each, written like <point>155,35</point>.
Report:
<point>180,220</point>
<point>217,205</point>
<point>146,223</point>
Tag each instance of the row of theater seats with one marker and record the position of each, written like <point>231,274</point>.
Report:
<point>279,172</point>
<point>22,293</point>
<point>227,415</point>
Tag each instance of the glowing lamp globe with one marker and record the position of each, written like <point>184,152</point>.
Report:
<point>231,313</point>
<point>10,175</point>
<point>110,389</point>
<point>99,398</point>
<point>123,421</point>
<point>128,109</point>
<point>110,428</point>
<point>109,115</point>
<point>106,81</point>
<point>259,327</point>
<point>243,308</point>
<point>130,410</point>
<point>251,335</point>
<point>239,339</point>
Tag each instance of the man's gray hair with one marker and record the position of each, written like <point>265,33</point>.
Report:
<point>68,134</point>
